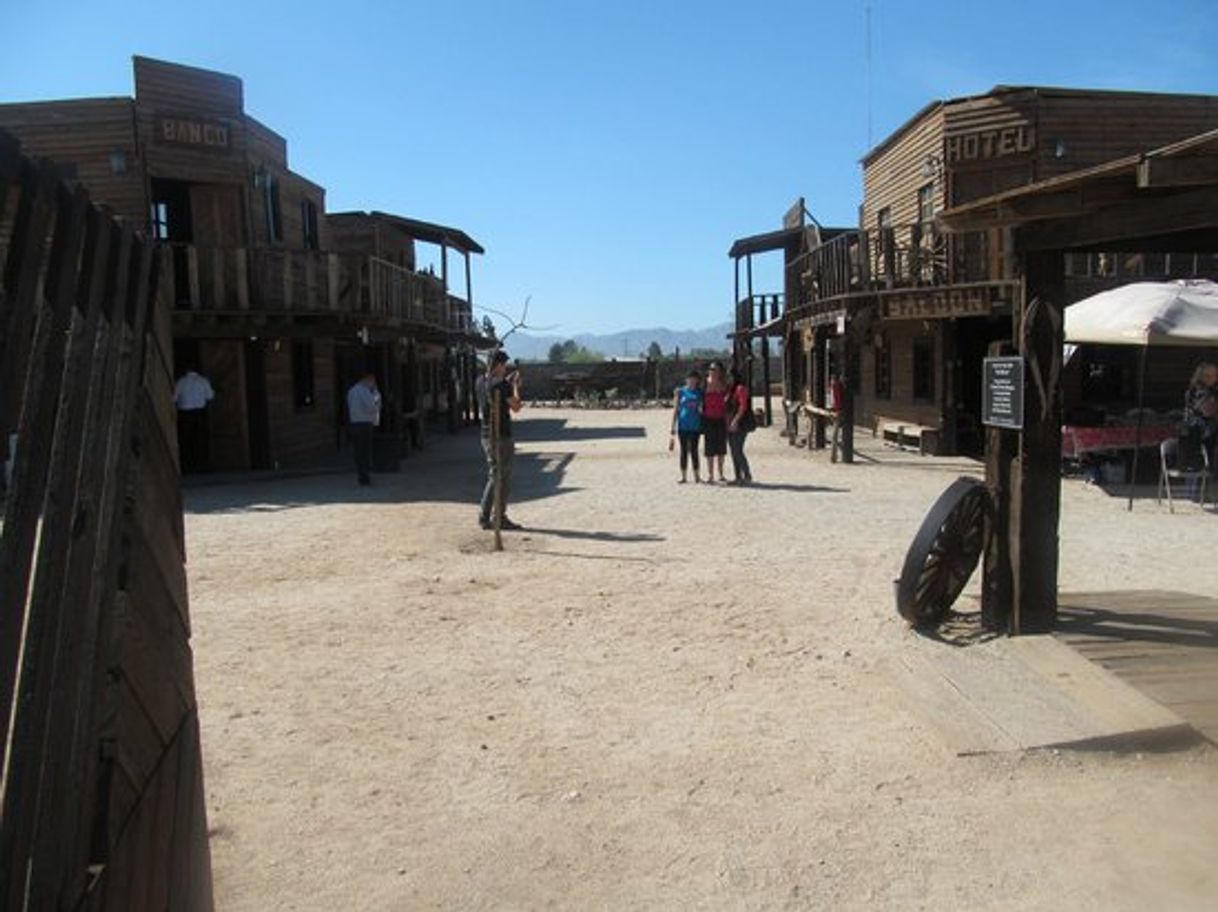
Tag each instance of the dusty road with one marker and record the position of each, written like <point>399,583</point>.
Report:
<point>660,697</point>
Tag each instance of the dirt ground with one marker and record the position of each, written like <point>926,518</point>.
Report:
<point>658,697</point>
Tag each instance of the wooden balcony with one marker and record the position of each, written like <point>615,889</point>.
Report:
<point>759,314</point>
<point>917,259</point>
<point>273,282</point>
<point>893,258</point>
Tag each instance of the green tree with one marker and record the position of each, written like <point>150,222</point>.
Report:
<point>583,355</point>
<point>556,353</point>
<point>654,352</point>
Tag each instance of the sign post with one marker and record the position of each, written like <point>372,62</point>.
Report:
<point>1002,414</point>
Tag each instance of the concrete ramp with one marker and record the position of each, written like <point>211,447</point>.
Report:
<point>1029,692</point>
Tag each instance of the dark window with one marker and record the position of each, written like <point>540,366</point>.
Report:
<point>884,247</point>
<point>924,369</point>
<point>926,203</point>
<point>883,366</point>
<point>308,222</point>
<point>302,374</point>
<point>274,214</point>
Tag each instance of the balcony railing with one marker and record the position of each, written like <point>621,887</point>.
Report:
<point>299,282</point>
<point>900,256</point>
<point>757,310</point>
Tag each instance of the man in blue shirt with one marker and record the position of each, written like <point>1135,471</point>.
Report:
<point>364,414</point>
<point>503,382</point>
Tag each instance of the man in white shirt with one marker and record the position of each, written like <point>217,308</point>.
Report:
<point>192,394</point>
<point>363,414</point>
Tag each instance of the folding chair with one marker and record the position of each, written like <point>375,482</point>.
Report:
<point>1185,460</point>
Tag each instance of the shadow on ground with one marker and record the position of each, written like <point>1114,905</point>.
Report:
<point>559,430</point>
<point>585,535</point>
<point>1147,626</point>
<point>795,488</point>
<point>450,470</point>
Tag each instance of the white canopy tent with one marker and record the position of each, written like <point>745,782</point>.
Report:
<point>1180,314</point>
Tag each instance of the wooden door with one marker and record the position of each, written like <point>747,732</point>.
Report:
<point>228,429</point>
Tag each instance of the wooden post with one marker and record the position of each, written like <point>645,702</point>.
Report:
<point>948,331</point>
<point>1036,480</point>
<point>765,373</point>
<point>996,588</point>
<point>820,379</point>
<point>469,284</point>
<point>497,466</point>
<point>748,342</point>
<point>450,387</point>
<point>845,419</point>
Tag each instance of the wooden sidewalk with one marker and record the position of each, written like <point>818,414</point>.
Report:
<point>1165,644</point>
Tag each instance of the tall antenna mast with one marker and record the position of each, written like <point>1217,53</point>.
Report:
<point>867,16</point>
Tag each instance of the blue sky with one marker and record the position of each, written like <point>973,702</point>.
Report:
<point>607,153</point>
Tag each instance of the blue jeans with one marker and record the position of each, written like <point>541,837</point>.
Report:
<point>740,462</point>
<point>497,465</point>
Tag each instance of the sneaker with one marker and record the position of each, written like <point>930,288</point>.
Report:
<point>485,523</point>
<point>510,526</point>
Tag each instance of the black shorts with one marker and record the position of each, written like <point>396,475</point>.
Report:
<point>715,432</point>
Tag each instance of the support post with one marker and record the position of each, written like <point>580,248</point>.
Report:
<point>820,381</point>
<point>846,419</point>
<point>469,285</point>
<point>1036,479</point>
<point>496,466</point>
<point>1001,446</point>
<point>765,377</point>
<point>748,263</point>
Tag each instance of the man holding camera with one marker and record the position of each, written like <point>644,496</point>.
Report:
<point>502,393</point>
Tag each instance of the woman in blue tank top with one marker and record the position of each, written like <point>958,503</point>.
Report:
<point>687,422</point>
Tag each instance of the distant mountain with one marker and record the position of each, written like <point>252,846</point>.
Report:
<point>628,343</point>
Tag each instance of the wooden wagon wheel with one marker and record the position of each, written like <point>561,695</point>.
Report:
<point>944,553</point>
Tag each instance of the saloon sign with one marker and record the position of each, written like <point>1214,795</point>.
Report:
<point>940,304</point>
<point>190,131</point>
<point>983,145</point>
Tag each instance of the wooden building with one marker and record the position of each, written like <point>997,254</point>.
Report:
<point>905,312</point>
<point>278,304</point>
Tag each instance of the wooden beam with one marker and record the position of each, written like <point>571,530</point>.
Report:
<point>1178,172</point>
<point>1035,501</point>
<point>1001,446</point>
<point>1187,211</point>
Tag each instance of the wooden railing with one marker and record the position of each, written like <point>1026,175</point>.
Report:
<point>758,309</point>
<point>900,256</point>
<point>290,282</point>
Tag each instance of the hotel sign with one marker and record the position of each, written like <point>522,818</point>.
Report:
<point>984,145</point>
<point>943,304</point>
<point>214,135</point>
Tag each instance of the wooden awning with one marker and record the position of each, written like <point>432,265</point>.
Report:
<point>1108,203</point>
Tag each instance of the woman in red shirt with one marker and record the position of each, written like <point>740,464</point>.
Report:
<point>714,421</point>
<point>740,406</point>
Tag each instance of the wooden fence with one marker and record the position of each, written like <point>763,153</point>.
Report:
<point>101,800</point>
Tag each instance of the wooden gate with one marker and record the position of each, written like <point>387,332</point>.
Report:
<point>102,791</point>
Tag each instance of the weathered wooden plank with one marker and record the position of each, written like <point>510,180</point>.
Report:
<point>140,745</point>
<point>41,398</point>
<point>131,284</point>
<point>190,871</point>
<point>157,854</point>
<point>1036,475</point>
<point>57,607</point>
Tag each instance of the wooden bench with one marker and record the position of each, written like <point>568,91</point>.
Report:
<point>905,434</point>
